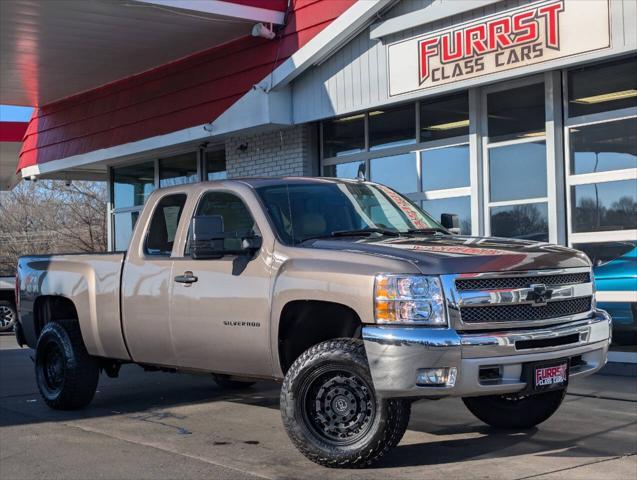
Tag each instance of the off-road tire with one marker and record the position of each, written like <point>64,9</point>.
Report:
<point>9,316</point>
<point>224,381</point>
<point>515,413</point>
<point>66,374</point>
<point>334,360</point>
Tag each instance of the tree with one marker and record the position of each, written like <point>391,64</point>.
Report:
<point>51,217</point>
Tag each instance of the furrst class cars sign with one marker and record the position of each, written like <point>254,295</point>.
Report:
<point>534,33</point>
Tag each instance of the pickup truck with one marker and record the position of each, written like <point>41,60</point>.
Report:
<point>345,291</point>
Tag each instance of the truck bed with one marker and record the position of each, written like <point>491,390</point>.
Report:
<point>90,281</point>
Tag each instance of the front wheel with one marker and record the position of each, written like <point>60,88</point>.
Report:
<point>8,316</point>
<point>330,409</point>
<point>513,411</point>
<point>66,374</point>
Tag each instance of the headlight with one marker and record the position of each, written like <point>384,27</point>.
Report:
<point>409,299</point>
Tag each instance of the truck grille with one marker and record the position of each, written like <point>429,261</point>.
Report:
<point>525,312</point>
<point>521,282</point>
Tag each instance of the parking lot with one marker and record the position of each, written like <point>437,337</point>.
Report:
<point>160,425</point>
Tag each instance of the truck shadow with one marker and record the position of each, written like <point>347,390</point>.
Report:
<point>440,432</point>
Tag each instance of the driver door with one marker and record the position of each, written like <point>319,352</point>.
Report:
<point>220,307</point>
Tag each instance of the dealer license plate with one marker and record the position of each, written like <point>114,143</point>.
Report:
<point>550,376</point>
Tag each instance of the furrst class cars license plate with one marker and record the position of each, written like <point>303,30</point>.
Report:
<point>548,377</point>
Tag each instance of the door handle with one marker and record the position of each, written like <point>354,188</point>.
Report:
<point>186,278</point>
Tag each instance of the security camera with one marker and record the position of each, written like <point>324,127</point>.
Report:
<point>67,183</point>
<point>260,30</point>
<point>33,178</point>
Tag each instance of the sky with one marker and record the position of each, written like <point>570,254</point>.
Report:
<point>10,113</point>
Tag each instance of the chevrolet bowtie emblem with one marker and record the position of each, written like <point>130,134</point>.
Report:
<point>539,295</point>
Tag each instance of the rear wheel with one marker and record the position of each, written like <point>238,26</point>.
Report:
<point>515,411</point>
<point>8,316</point>
<point>66,374</point>
<point>330,409</point>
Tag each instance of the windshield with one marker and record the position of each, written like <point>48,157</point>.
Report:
<point>314,210</point>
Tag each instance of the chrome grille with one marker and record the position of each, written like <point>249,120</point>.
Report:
<point>521,282</point>
<point>525,312</point>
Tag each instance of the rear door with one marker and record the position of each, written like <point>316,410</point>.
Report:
<point>220,322</point>
<point>147,280</point>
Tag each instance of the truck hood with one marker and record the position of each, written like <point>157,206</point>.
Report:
<point>441,254</point>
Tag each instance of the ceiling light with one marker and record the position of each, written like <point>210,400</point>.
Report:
<point>376,112</point>
<point>541,133</point>
<point>349,119</point>
<point>607,97</point>
<point>448,126</point>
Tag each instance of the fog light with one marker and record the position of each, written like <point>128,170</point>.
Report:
<point>437,377</point>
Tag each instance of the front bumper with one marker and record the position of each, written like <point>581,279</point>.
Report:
<point>395,355</point>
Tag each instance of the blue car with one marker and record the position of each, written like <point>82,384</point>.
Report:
<point>615,269</point>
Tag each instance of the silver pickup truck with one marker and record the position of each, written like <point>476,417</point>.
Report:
<point>348,293</point>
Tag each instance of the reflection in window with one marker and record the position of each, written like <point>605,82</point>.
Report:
<point>599,88</point>
<point>529,221</point>
<point>461,206</point>
<point>133,184</point>
<point>124,223</point>
<point>517,171</point>
<point>345,170</point>
<point>216,165</point>
<point>398,172</point>
<point>444,117</point>
<point>237,220</point>
<point>516,113</point>
<point>392,127</point>
<point>604,206</point>
<point>178,170</point>
<point>604,146</point>
<point>344,136</point>
<point>445,168</point>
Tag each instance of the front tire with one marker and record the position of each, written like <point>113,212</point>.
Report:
<point>66,374</point>
<point>330,409</point>
<point>514,411</point>
<point>8,316</point>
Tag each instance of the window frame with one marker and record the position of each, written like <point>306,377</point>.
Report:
<point>572,179</point>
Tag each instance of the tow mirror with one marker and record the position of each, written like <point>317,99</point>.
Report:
<point>451,222</point>
<point>207,237</point>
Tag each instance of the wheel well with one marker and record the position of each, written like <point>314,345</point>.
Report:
<point>305,323</point>
<point>51,309</point>
<point>7,296</point>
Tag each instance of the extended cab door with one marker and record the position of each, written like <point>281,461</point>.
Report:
<point>147,280</point>
<point>221,306</point>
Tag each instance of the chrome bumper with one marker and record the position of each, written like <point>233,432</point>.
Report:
<point>395,355</point>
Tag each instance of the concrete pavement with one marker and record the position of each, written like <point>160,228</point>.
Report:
<point>159,425</point>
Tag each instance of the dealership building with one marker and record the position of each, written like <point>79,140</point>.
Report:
<point>519,116</point>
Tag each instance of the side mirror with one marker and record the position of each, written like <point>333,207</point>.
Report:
<point>451,222</point>
<point>206,237</point>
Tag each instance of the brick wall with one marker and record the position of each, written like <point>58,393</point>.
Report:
<point>286,152</point>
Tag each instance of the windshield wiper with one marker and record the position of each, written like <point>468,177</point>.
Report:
<point>428,231</point>
<point>354,233</point>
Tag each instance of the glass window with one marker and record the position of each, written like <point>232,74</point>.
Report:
<point>216,165</point>
<point>124,223</point>
<point>398,172</point>
<point>444,118</point>
<point>604,206</point>
<point>529,221</point>
<point>133,184</point>
<point>178,170</point>
<point>392,127</point>
<point>346,170</point>
<point>599,88</point>
<point>606,252</point>
<point>604,146</point>
<point>300,211</point>
<point>163,225</point>
<point>517,171</point>
<point>516,113</point>
<point>237,220</point>
<point>344,136</point>
<point>461,206</point>
<point>445,168</point>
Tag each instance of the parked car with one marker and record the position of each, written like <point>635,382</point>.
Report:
<point>348,293</point>
<point>8,314</point>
